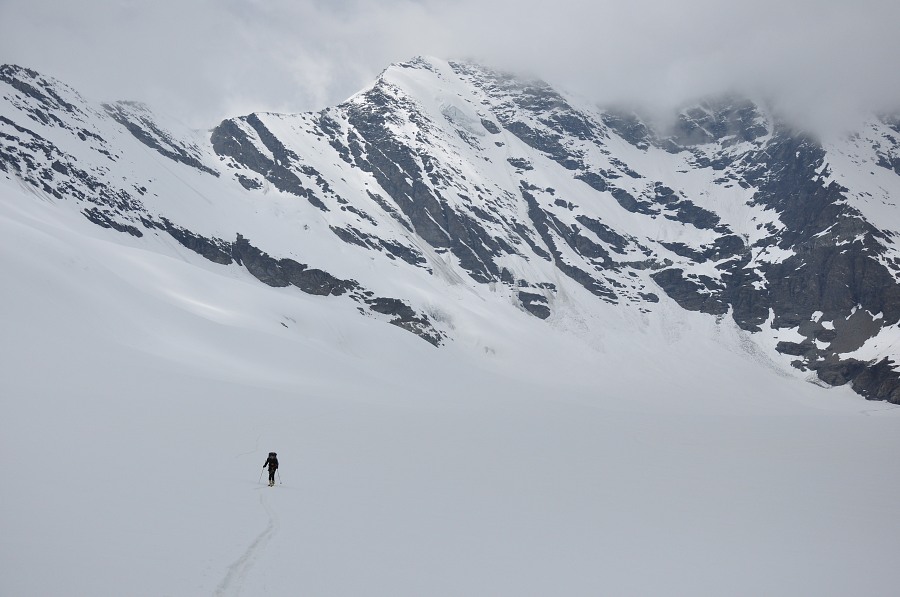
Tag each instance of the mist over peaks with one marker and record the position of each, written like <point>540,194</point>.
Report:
<point>820,63</point>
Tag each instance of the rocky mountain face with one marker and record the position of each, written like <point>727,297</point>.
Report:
<point>451,174</point>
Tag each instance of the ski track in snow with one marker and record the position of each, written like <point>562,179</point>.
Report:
<point>237,572</point>
<point>253,451</point>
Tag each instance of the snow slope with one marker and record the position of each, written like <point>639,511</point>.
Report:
<point>655,453</point>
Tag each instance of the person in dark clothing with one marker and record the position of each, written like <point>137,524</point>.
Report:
<point>272,463</point>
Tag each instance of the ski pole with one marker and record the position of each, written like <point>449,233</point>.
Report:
<point>260,476</point>
<point>280,482</point>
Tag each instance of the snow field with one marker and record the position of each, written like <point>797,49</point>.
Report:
<point>646,454</point>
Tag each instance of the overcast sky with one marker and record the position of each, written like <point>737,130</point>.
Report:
<point>203,60</point>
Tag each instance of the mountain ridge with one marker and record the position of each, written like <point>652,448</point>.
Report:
<point>453,173</point>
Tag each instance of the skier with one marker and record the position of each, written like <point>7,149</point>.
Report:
<point>272,463</point>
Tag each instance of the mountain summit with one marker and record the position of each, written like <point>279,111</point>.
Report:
<point>444,178</point>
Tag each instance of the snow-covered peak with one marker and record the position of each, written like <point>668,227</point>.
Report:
<point>452,175</point>
<point>50,93</point>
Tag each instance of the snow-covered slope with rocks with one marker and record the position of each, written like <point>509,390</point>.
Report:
<point>143,385</point>
<point>596,380</point>
<point>450,174</point>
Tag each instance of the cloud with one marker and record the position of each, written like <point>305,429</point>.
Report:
<point>203,60</point>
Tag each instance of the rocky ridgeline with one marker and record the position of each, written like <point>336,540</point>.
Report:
<point>730,212</point>
<point>60,171</point>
